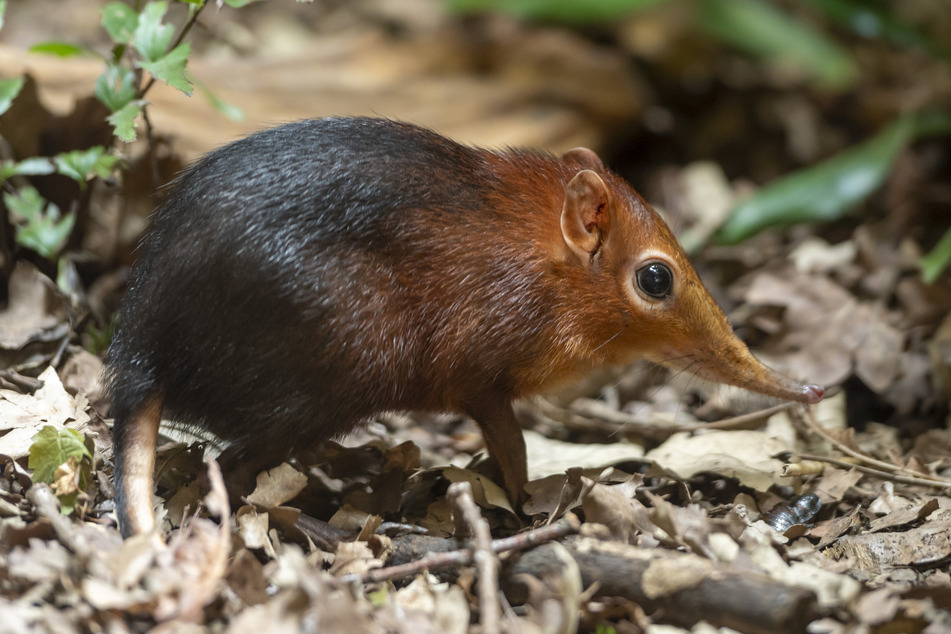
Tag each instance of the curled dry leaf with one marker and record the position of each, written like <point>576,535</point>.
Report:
<point>34,319</point>
<point>745,455</point>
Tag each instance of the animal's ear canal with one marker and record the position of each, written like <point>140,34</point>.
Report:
<point>586,216</point>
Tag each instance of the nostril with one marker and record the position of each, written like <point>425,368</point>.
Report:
<point>813,393</point>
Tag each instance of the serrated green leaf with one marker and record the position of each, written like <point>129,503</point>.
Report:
<point>79,164</point>
<point>171,68</point>
<point>48,235</point>
<point>26,202</point>
<point>933,264</point>
<point>829,189</point>
<point>52,447</point>
<point>40,228</point>
<point>124,120</point>
<point>151,37</point>
<point>120,21</point>
<point>9,89</point>
<point>115,87</point>
<point>765,31</point>
<point>60,49</point>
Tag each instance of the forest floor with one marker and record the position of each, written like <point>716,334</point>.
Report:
<point>656,501</point>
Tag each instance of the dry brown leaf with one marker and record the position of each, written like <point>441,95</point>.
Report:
<point>36,312</point>
<point>446,604</point>
<point>253,529</point>
<point>616,508</point>
<point>745,455</point>
<point>278,485</point>
<point>922,546</point>
<point>23,415</point>
<point>553,457</point>
<point>353,558</point>
<point>907,515</point>
<point>486,493</point>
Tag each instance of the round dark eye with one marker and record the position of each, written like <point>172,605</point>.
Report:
<point>655,280</point>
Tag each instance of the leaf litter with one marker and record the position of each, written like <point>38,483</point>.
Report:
<point>648,498</point>
<point>680,512</point>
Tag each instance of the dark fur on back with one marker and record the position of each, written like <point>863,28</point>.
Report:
<point>305,277</point>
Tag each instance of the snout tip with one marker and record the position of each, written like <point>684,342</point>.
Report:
<point>812,394</point>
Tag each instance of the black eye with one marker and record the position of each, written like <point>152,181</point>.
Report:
<point>655,280</point>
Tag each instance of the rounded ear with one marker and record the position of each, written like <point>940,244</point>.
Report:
<point>585,157</point>
<point>586,216</point>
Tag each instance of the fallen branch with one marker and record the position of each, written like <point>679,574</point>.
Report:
<point>741,599</point>
<point>419,553</point>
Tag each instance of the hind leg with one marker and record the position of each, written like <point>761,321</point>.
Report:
<point>135,439</point>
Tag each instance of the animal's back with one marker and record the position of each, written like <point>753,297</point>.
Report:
<point>275,277</point>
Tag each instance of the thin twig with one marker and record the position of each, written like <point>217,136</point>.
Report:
<point>885,475</point>
<point>811,423</point>
<point>617,421</point>
<point>485,559</point>
<point>740,421</point>
<point>463,557</point>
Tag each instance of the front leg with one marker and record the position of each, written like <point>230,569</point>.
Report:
<point>504,440</point>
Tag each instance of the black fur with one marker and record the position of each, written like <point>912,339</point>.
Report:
<point>251,310</point>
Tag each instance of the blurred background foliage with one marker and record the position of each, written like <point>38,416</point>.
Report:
<point>818,48</point>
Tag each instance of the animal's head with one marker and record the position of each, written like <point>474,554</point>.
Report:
<point>657,306</point>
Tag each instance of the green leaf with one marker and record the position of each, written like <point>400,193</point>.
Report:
<point>81,165</point>
<point>765,31</point>
<point>120,21</point>
<point>151,37</point>
<point>171,68</point>
<point>229,110</point>
<point>35,166</point>
<point>874,21</point>
<point>124,120</point>
<point>78,164</point>
<point>41,228</point>
<point>52,447</point>
<point>933,264</point>
<point>115,87</point>
<point>48,235</point>
<point>25,202</point>
<point>828,189</point>
<point>571,11</point>
<point>9,89</point>
<point>60,49</point>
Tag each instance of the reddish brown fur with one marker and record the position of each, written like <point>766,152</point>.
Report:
<point>346,287</point>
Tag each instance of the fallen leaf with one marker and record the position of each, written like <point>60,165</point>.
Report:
<point>745,455</point>
<point>23,415</point>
